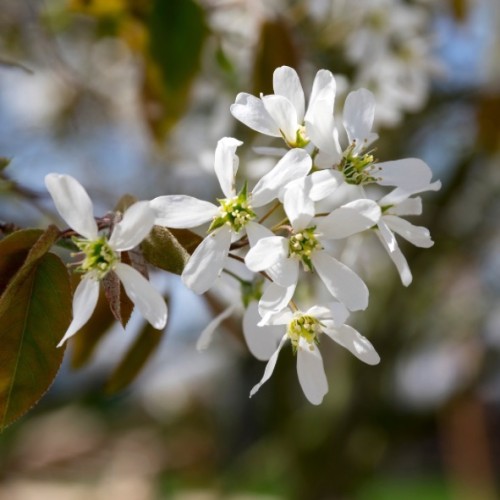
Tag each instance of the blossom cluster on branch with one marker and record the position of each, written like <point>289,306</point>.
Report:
<point>326,186</point>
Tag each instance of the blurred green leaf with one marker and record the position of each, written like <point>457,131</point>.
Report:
<point>168,252</point>
<point>39,312</point>
<point>98,8</point>
<point>124,202</point>
<point>187,239</point>
<point>4,163</point>
<point>411,488</point>
<point>138,354</point>
<point>276,48</point>
<point>177,31</point>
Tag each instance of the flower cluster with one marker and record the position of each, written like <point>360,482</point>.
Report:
<point>389,46</point>
<point>324,189</point>
<point>322,186</point>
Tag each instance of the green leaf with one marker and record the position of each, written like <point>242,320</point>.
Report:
<point>14,249</point>
<point>19,240</point>
<point>177,32</point>
<point>39,313</point>
<point>138,354</point>
<point>164,250</point>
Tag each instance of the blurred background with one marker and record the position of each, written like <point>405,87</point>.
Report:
<point>131,96</point>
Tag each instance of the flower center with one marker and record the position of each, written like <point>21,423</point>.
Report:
<point>305,326</point>
<point>302,244</point>
<point>301,138</point>
<point>236,212</point>
<point>357,169</point>
<point>99,258</point>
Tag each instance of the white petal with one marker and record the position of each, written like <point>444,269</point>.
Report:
<point>251,111</point>
<point>283,113</point>
<point>261,340</point>
<point>73,204</point>
<point>391,245</point>
<point>207,261</point>
<point>135,225</point>
<point>256,231</point>
<point>354,342</point>
<point>349,219</point>
<point>398,195</point>
<point>339,312</point>
<point>359,112</point>
<point>387,235</point>
<point>268,371</point>
<point>324,88</point>
<point>319,312</point>
<point>311,372</point>
<point>325,160</point>
<point>336,311</point>
<point>285,272</point>
<point>323,136</point>
<point>323,183</point>
<point>411,206</point>
<point>319,117</point>
<point>180,211</point>
<point>205,338</point>
<point>341,281</point>
<point>84,303</point>
<point>146,298</point>
<point>286,83</point>
<point>409,174</point>
<point>226,164</point>
<point>299,207</point>
<point>294,165</point>
<point>274,299</point>
<point>282,318</point>
<point>266,253</point>
<point>418,235</point>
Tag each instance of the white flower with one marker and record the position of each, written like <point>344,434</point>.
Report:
<point>304,330</point>
<point>280,256</point>
<point>394,205</point>
<point>283,113</point>
<point>356,162</point>
<point>232,217</point>
<point>102,254</point>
